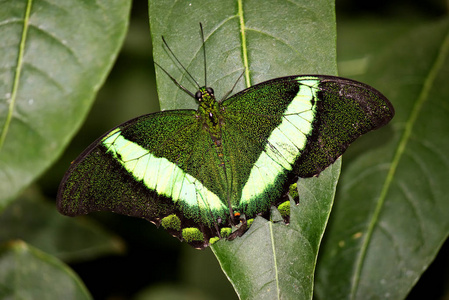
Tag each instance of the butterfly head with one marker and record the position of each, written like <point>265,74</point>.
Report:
<point>205,94</point>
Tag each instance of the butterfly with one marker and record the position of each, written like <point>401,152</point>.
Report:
<point>200,173</point>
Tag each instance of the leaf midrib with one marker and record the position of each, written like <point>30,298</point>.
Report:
<point>422,98</point>
<point>244,45</point>
<point>19,66</point>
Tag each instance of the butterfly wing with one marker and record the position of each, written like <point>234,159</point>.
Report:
<point>148,167</point>
<point>293,127</point>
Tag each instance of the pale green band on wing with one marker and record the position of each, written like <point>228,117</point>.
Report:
<point>285,142</point>
<point>161,175</point>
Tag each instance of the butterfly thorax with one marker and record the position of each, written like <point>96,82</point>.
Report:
<point>209,113</point>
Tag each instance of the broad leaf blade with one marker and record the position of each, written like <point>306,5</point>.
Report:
<point>28,273</point>
<point>54,58</point>
<point>392,217</point>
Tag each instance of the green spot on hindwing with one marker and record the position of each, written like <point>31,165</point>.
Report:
<point>214,240</point>
<point>171,222</point>
<point>293,191</point>
<point>284,209</point>
<point>192,234</point>
<point>225,232</point>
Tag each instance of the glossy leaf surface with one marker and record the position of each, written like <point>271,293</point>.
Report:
<point>54,58</point>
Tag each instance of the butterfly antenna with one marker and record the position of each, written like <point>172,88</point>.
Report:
<point>175,81</point>
<point>233,87</point>
<point>204,55</point>
<point>177,60</point>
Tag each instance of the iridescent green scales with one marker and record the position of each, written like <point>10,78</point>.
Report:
<point>194,172</point>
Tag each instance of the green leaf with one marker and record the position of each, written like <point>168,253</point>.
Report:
<point>263,41</point>
<point>32,219</point>
<point>27,273</point>
<point>275,261</point>
<point>392,216</point>
<point>54,58</point>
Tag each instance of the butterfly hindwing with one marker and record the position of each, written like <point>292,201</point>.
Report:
<point>260,167</point>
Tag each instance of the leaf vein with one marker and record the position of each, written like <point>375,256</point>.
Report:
<point>15,87</point>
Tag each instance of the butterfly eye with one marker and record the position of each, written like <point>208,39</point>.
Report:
<point>198,95</point>
<point>210,91</point>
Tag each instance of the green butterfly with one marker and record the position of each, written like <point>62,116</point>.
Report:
<point>198,173</point>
